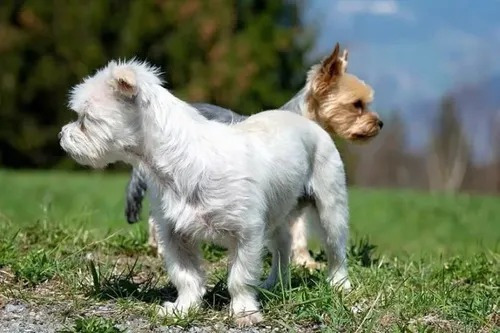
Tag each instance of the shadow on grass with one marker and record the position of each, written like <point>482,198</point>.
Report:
<point>129,284</point>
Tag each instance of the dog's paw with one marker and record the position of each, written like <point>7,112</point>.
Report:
<point>306,261</point>
<point>313,265</point>
<point>165,310</point>
<point>341,283</point>
<point>160,311</point>
<point>173,309</point>
<point>246,319</point>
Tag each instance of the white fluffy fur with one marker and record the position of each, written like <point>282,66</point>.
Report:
<point>234,185</point>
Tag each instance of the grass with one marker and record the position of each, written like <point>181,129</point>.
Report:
<point>419,262</point>
<point>93,325</point>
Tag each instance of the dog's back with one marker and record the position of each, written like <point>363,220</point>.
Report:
<point>292,149</point>
<point>284,127</point>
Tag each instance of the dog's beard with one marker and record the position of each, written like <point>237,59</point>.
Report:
<point>94,163</point>
<point>81,158</point>
<point>364,129</point>
<point>83,150</point>
<point>353,128</point>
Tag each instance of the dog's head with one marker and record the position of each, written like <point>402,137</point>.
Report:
<point>107,105</point>
<point>340,102</point>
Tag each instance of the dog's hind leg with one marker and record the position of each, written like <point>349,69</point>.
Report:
<point>279,245</point>
<point>300,251</point>
<point>244,274</point>
<point>331,216</point>
<point>183,264</point>
<point>153,236</point>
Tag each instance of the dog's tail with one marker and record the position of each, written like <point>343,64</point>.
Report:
<point>136,188</point>
<point>219,114</point>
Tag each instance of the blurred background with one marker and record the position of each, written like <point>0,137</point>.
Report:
<point>434,66</point>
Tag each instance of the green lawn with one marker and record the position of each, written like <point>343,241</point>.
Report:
<point>435,265</point>
<point>397,222</point>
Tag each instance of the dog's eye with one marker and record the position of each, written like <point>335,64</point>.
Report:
<point>358,104</point>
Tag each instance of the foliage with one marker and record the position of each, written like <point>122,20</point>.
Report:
<point>244,54</point>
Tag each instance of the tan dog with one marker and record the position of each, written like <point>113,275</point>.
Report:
<point>339,102</point>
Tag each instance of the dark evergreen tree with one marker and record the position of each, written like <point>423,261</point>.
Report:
<point>247,55</point>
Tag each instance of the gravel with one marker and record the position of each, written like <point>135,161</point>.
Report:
<point>21,317</point>
<point>17,317</point>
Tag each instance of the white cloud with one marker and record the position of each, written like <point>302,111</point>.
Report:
<point>372,7</point>
<point>377,7</point>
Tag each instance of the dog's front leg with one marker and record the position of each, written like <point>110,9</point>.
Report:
<point>244,274</point>
<point>183,263</point>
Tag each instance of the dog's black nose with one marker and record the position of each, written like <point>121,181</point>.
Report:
<point>380,124</point>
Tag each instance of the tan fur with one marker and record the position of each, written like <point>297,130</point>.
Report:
<point>300,253</point>
<point>331,98</point>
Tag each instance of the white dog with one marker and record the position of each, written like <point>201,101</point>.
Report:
<point>234,185</point>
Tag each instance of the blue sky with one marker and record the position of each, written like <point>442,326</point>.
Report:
<point>411,50</point>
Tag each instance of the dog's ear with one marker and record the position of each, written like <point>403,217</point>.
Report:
<point>334,65</point>
<point>343,58</point>
<point>124,80</point>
